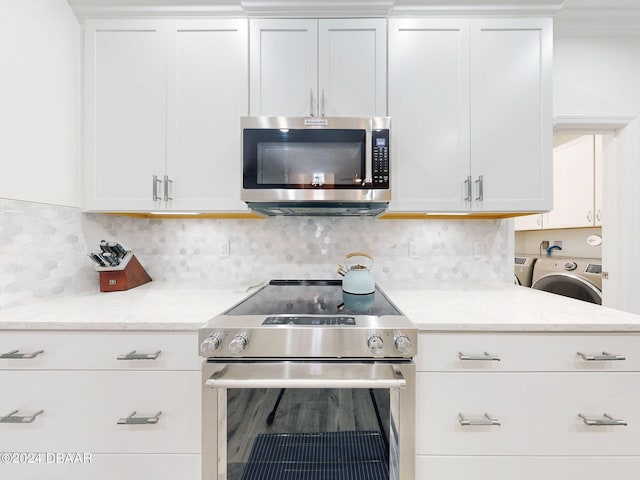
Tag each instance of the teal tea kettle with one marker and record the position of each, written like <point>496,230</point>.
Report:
<point>358,285</point>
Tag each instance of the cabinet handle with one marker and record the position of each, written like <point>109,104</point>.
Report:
<point>322,112</point>
<point>539,220</point>
<point>484,357</point>
<point>467,183</point>
<point>166,188</point>
<point>156,180</point>
<point>131,420</point>
<point>17,354</point>
<point>605,357</point>
<point>13,418</point>
<point>480,183</point>
<point>606,421</point>
<point>589,217</point>
<point>311,108</point>
<point>484,420</point>
<point>598,216</point>
<point>132,355</point>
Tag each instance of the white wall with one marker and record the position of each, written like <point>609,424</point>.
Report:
<point>39,101</point>
<point>599,77</point>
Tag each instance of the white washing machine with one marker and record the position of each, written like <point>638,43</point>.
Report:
<point>523,267</point>
<point>579,278</point>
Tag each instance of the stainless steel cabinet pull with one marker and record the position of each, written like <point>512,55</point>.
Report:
<point>606,421</point>
<point>311,108</point>
<point>480,183</point>
<point>156,180</point>
<point>605,357</point>
<point>484,357</point>
<point>589,217</point>
<point>132,355</point>
<point>598,215</point>
<point>13,418</point>
<point>131,420</point>
<point>17,354</point>
<point>484,420</point>
<point>322,112</point>
<point>467,183</point>
<point>166,188</point>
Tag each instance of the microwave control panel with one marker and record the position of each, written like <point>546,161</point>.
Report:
<point>380,158</point>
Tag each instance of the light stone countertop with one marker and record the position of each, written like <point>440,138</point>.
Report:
<point>169,306</point>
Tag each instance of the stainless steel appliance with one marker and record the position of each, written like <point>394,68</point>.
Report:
<point>296,385</point>
<point>579,278</point>
<point>523,269</point>
<point>316,165</point>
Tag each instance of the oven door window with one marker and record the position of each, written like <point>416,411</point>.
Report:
<point>307,433</point>
<point>301,159</point>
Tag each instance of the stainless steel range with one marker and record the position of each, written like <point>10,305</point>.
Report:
<point>296,385</point>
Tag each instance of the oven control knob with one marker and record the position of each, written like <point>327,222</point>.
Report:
<point>403,344</point>
<point>238,344</point>
<point>210,345</point>
<point>375,344</point>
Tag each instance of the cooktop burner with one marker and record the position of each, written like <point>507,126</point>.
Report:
<point>307,297</point>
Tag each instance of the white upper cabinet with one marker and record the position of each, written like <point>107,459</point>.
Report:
<point>470,102</point>
<point>301,67</point>
<point>577,187</point>
<point>125,112</point>
<point>163,107</point>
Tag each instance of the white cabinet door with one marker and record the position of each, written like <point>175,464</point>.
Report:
<point>597,180</point>
<point>208,93</point>
<point>510,114</point>
<point>428,104</point>
<point>573,185</point>
<point>528,222</point>
<point>283,65</point>
<point>352,59</point>
<point>125,113</point>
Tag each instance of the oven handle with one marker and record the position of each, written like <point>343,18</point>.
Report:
<point>306,375</point>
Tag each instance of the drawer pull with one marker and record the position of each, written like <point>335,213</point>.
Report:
<point>132,355</point>
<point>484,420</point>
<point>13,418</point>
<point>17,354</point>
<point>605,357</point>
<point>606,421</point>
<point>132,420</point>
<point>484,357</point>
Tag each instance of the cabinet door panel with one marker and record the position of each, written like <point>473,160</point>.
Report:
<point>125,114</point>
<point>283,67</point>
<point>428,101</point>
<point>538,413</point>
<point>526,468</point>
<point>352,60</point>
<point>510,108</point>
<point>573,185</point>
<point>208,95</point>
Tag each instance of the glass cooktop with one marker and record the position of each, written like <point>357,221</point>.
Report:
<point>312,297</point>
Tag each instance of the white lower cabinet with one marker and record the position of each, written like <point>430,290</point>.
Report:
<point>105,467</point>
<point>523,405</point>
<point>99,417</point>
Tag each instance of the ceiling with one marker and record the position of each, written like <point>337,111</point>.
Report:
<point>572,17</point>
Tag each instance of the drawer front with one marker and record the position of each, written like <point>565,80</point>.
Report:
<point>56,465</point>
<point>441,352</point>
<point>100,350</point>
<point>538,412</point>
<point>527,468</point>
<point>82,410</point>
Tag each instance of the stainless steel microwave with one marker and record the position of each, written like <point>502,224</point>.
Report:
<point>316,165</point>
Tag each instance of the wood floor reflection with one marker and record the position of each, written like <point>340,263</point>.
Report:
<point>300,411</point>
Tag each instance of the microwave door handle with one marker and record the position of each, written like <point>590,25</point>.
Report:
<point>368,162</point>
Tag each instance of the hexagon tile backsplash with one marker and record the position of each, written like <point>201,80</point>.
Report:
<point>43,249</point>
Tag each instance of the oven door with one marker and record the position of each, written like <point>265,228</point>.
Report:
<point>313,420</point>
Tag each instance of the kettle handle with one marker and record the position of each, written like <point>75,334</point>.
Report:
<point>358,254</point>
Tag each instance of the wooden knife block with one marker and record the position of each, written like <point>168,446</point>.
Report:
<point>129,274</point>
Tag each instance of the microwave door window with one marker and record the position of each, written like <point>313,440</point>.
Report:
<point>309,164</point>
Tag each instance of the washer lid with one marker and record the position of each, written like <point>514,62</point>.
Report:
<point>569,286</point>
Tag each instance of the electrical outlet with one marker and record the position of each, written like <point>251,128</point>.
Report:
<point>223,248</point>
<point>556,243</point>
<point>478,249</point>
<point>413,250</point>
